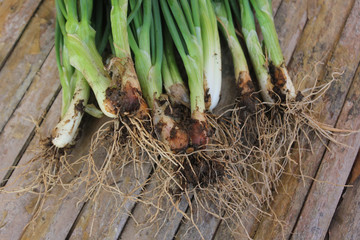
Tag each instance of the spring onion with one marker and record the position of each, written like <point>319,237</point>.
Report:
<point>242,75</point>
<point>257,57</point>
<point>183,22</point>
<point>172,80</point>
<point>75,89</point>
<point>278,70</point>
<point>146,43</point>
<point>130,96</point>
<point>211,52</point>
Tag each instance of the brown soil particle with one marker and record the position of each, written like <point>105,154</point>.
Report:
<point>207,98</point>
<point>198,132</point>
<point>79,107</point>
<point>125,101</point>
<point>198,171</point>
<point>278,79</point>
<point>299,97</point>
<point>245,84</point>
<point>124,96</point>
<point>178,112</point>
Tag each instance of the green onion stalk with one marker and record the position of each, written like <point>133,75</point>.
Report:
<point>183,22</point>
<point>172,80</point>
<point>282,81</point>
<point>146,42</point>
<point>79,38</point>
<point>211,52</point>
<point>257,56</point>
<point>122,65</point>
<point>241,69</point>
<point>75,89</point>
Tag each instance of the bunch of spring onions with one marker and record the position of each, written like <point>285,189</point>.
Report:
<point>75,89</point>
<point>196,38</point>
<point>273,78</point>
<point>161,35</point>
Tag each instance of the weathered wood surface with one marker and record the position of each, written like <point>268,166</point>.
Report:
<point>21,126</point>
<point>346,221</point>
<point>336,164</point>
<point>290,19</point>
<point>142,227</point>
<point>26,59</point>
<point>106,217</point>
<point>60,209</point>
<point>17,209</point>
<point>325,32</point>
<point>334,170</point>
<point>316,43</point>
<point>14,16</point>
<point>355,172</point>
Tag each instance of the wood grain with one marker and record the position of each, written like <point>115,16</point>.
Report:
<point>334,170</point>
<point>346,221</point>
<point>61,208</point>
<point>202,225</point>
<point>17,208</point>
<point>290,21</point>
<point>141,225</point>
<point>355,172</point>
<point>14,16</point>
<point>275,6</point>
<point>106,217</point>
<point>318,39</point>
<point>26,59</point>
<point>31,109</point>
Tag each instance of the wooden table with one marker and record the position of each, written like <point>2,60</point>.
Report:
<point>320,39</point>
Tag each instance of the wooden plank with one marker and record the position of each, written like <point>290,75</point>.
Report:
<point>230,231</point>
<point>35,103</point>
<point>59,214</point>
<point>26,59</point>
<point>61,208</point>
<point>355,172</point>
<point>275,6</point>
<point>14,16</point>
<point>317,42</point>
<point>319,37</point>
<point>141,225</point>
<point>16,209</point>
<point>202,225</point>
<point>106,217</point>
<point>290,21</point>
<point>346,221</point>
<point>334,170</point>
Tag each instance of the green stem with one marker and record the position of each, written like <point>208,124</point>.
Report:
<point>256,55</point>
<point>148,51</point>
<point>173,82</point>
<point>118,18</point>
<point>190,51</point>
<point>211,52</point>
<point>242,75</point>
<point>80,41</point>
<point>264,16</point>
<point>282,81</point>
